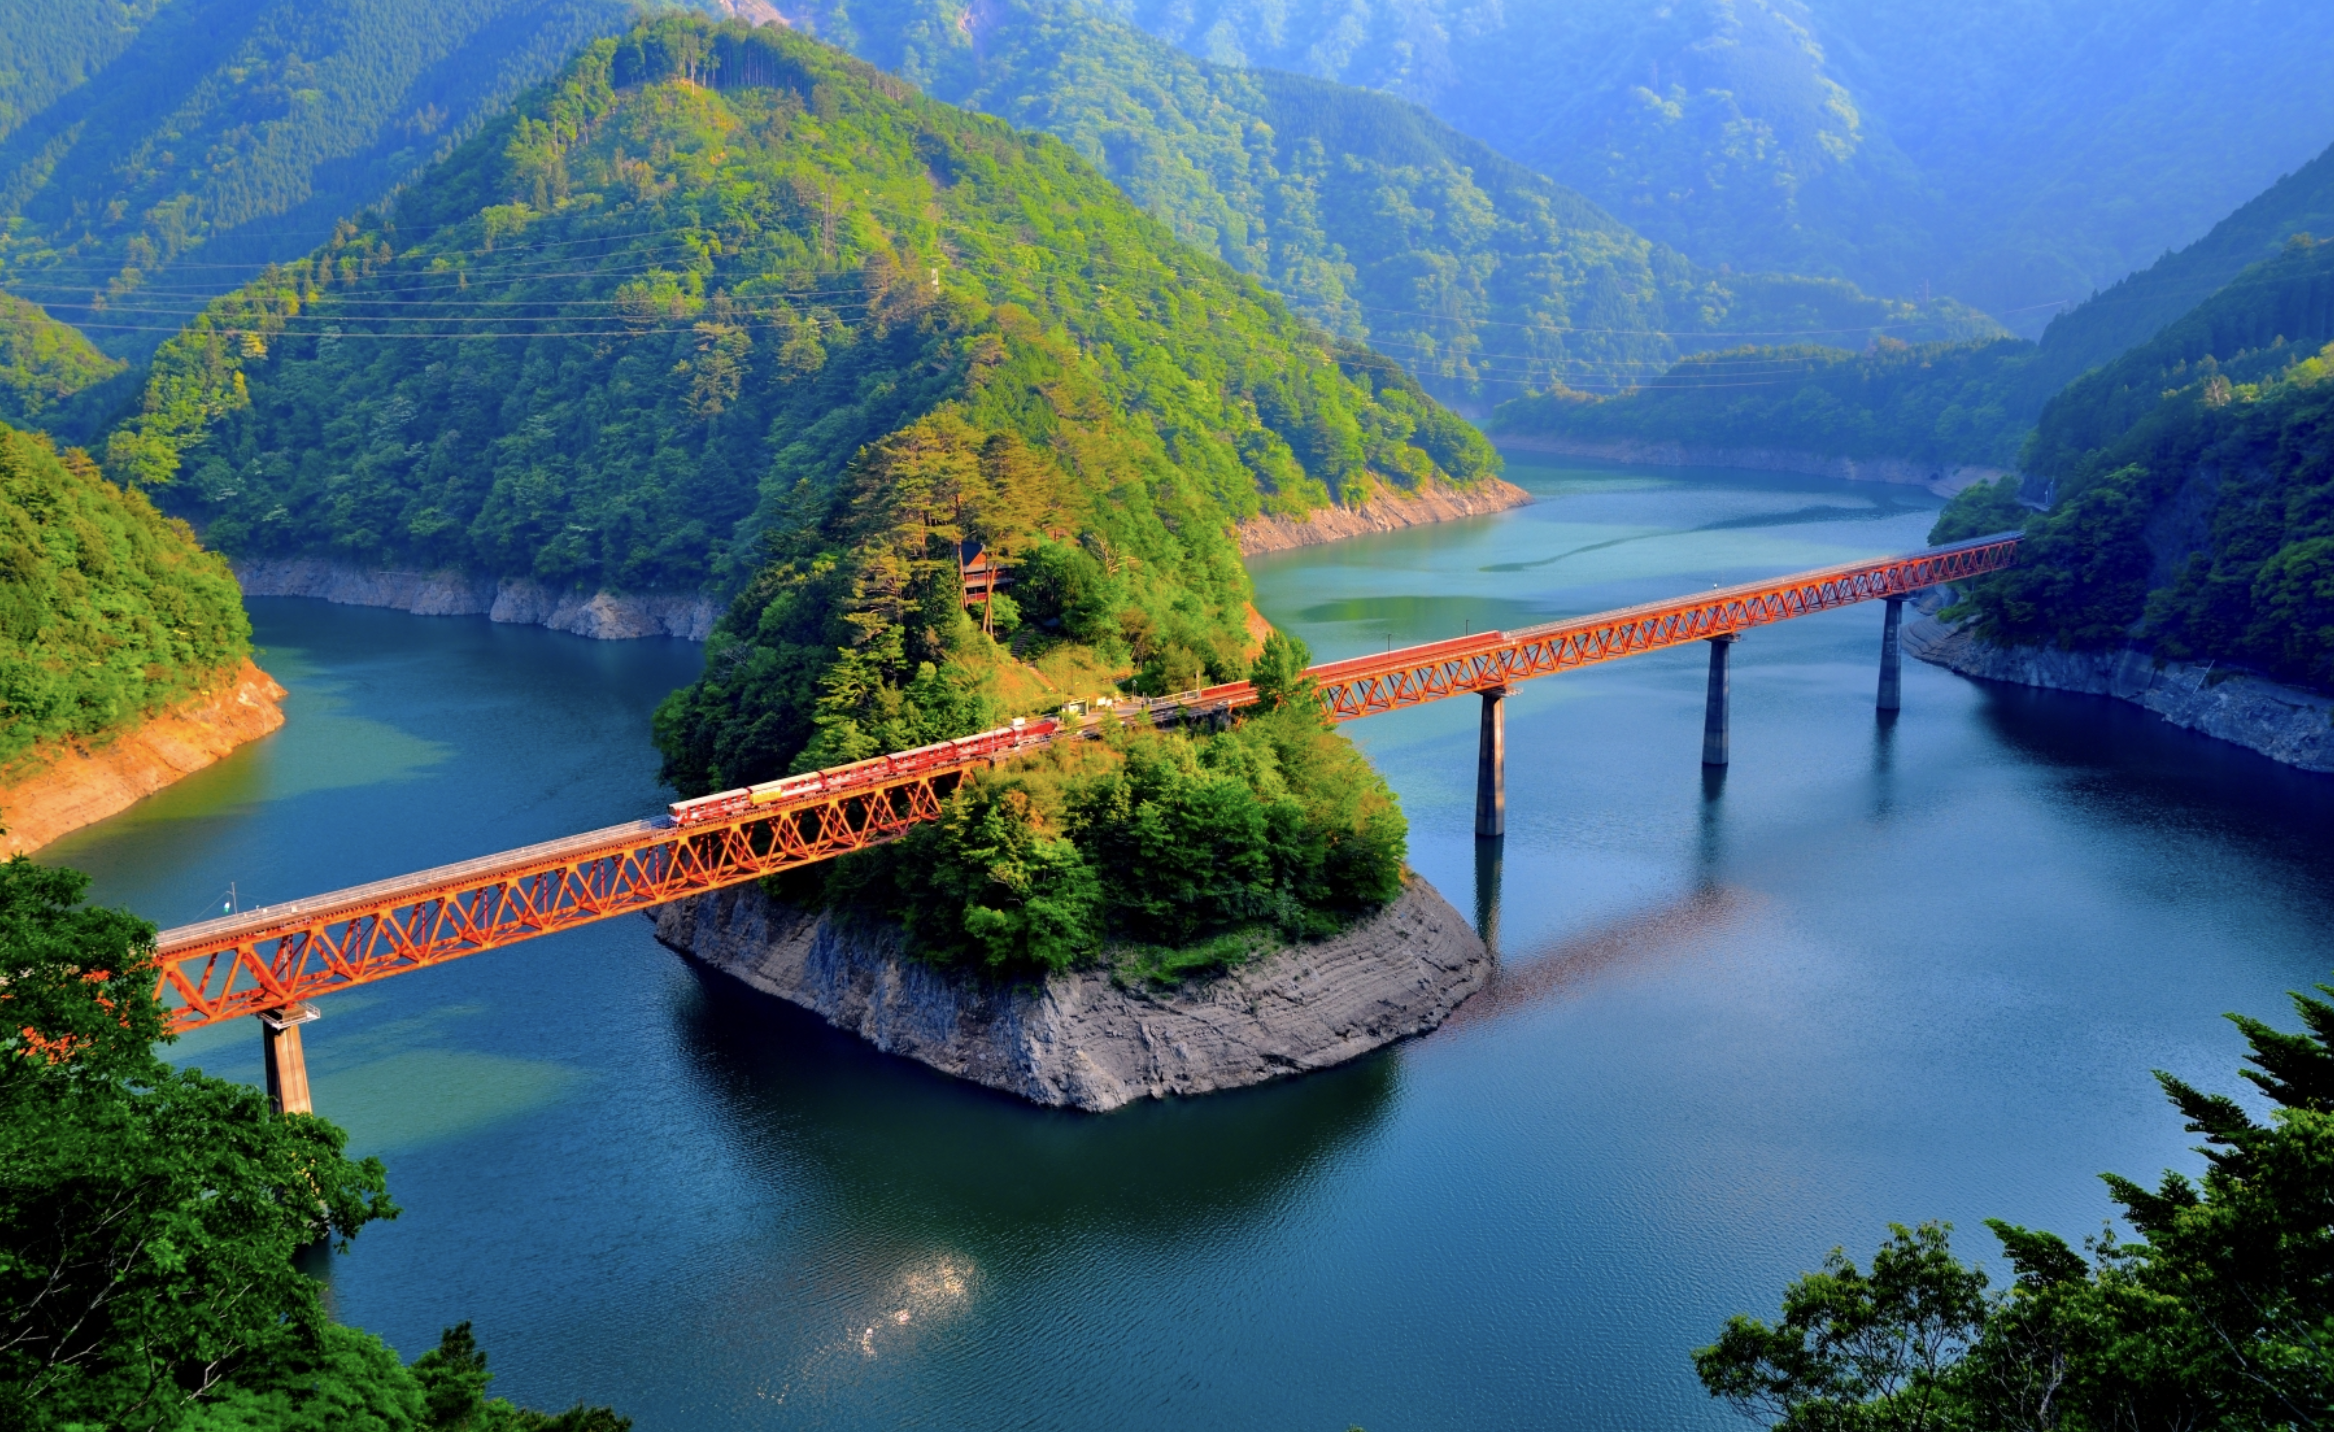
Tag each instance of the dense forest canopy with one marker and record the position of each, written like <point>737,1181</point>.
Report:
<point>108,610</point>
<point>155,152</point>
<point>150,1219</point>
<point>2193,506</point>
<point>1372,217</point>
<point>784,328</point>
<point>2016,154</point>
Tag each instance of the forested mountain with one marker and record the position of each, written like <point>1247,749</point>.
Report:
<point>45,366</point>
<point>153,153</point>
<point>1375,219</point>
<point>2193,503</point>
<point>2014,153</point>
<point>635,333</point>
<point>1974,402</point>
<point>108,610</point>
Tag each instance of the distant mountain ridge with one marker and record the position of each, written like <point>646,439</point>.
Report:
<point>1374,218</point>
<point>2013,153</point>
<point>1978,403</point>
<point>155,152</point>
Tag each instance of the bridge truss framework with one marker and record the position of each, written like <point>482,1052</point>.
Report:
<point>273,959</point>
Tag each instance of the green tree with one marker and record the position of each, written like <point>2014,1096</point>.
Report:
<point>148,1215</point>
<point>2221,1313</point>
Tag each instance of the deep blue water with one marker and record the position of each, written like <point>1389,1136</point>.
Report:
<point>1878,972</point>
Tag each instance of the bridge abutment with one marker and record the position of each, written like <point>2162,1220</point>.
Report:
<point>1491,767</point>
<point>1891,659</point>
<point>1714,712</point>
<point>287,1066</point>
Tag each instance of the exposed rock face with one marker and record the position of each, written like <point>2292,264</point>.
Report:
<point>73,786</point>
<point>1944,479</point>
<point>1082,1040</point>
<point>609,616</point>
<point>2282,723</point>
<point>1381,514</point>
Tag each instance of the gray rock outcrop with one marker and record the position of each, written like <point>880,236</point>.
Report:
<point>607,616</point>
<point>1942,478</point>
<point>2282,723</point>
<point>1082,1039</point>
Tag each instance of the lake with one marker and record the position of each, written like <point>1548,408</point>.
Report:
<point>1878,971</point>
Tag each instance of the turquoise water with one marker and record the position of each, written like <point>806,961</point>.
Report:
<point>1877,972</point>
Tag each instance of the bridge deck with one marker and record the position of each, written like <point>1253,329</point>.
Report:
<point>279,954</point>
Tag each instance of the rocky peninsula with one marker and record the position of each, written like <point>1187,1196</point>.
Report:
<point>1085,1039</point>
<point>2284,723</point>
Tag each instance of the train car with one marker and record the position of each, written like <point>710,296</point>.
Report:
<point>836,780</point>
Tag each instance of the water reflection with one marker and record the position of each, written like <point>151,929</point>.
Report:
<point>888,1142</point>
<point>1710,829</point>
<point>1490,852</point>
<point>1884,763</point>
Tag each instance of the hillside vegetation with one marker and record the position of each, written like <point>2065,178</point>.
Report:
<point>108,610</point>
<point>2193,502</point>
<point>2017,154</point>
<point>153,153</point>
<point>788,330</point>
<point>1373,218</point>
<point>46,365</point>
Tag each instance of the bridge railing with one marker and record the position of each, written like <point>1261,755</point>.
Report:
<point>278,956</point>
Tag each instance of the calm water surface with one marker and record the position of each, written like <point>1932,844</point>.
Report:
<point>1879,972</point>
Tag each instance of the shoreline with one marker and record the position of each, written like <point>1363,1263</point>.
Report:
<point>79,785</point>
<point>1943,479</point>
<point>602,615</point>
<point>622,616</point>
<point>1081,1039</point>
<point>2290,726</point>
<point>1261,534</point>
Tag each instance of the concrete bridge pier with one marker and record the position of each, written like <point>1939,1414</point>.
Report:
<point>1891,660</point>
<point>287,1067</point>
<point>1714,714</point>
<point>1491,767</point>
<point>1488,860</point>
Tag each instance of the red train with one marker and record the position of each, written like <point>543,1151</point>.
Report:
<point>988,745</point>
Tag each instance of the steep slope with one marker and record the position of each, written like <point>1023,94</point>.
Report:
<point>2193,507</point>
<point>157,152</point>
<point>44,366</point>
<point>2119,317</point>
<point>2014,153</point>
<point>1374,219</point>
<point>720,297</point>
<point>109,611</point>
<point>1979,402</point>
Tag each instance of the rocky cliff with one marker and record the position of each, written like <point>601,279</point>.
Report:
<point>1082,1039</point>
<point>608,616</point>
<point>72,786</point>
<point>2282,723</point>
<point>1944,479</point>
<point>1381,514</point>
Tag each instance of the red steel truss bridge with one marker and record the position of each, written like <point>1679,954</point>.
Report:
<point>269,961</point>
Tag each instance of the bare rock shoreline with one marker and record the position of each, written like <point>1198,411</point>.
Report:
<point>1081,1040</point>
<point>71,786</point>
<point>608,616</point>
<point>620,616</point>
<point>1944,479</point>
<point>1390,513</point>
<point>2285,724</point>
